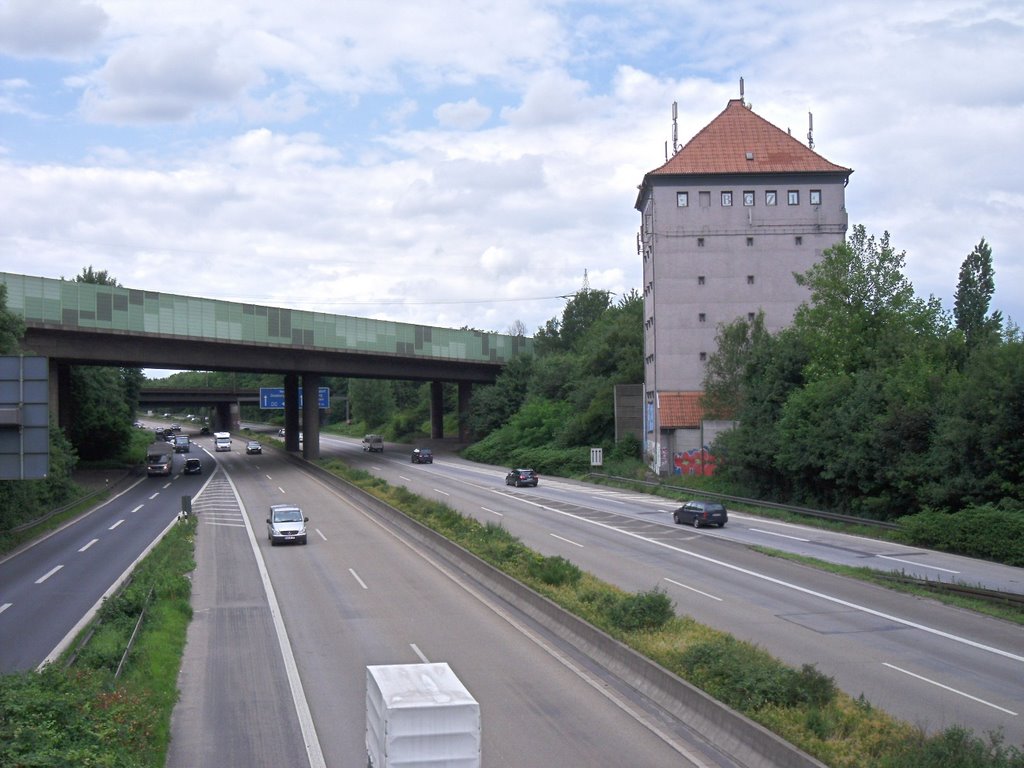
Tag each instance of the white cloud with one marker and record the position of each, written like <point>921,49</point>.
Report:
<point>464,115</point>
<point>431,167</point>
<point>55,29</point>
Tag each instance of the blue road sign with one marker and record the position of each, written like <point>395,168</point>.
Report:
<point>273,397</point>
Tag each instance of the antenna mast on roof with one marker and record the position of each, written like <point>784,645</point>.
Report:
<point>675,127</point>
<point>810,130</point>
<point>744,103</point>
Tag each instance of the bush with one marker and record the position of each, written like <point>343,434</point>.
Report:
<point>987,531</point>
<point>748,679</point>
<point>555,571</point>
<point>954,747</point>
<point>642,611</point>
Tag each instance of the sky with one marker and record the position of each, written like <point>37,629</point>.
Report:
<point>473,163</point>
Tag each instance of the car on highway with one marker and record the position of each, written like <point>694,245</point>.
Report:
<point>193,467</point>
<point>280,432</point>
<point>286,524</point>
<point>373,444</point>
<point>522,476</point>
<point>422,456</point>
<point>698,512</point>
<point>253,446</point>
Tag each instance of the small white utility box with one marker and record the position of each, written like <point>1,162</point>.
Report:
<point>420,716</point>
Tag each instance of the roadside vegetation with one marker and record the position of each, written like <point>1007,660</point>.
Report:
<point>78,711</point>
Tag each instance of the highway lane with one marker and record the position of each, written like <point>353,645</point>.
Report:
<point>839,548</point>
<point>49,586</point>
<point>358,595</point>
<point>929,664</point>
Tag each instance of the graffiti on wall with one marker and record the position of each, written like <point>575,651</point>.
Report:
<point>698,461</point>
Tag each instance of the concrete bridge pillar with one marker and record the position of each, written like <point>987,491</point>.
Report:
<point>310,416</point>
<point>291,412</point>
<point>465,392</point>
<point>436,409</point>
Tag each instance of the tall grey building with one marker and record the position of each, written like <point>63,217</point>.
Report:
<point>726,222</point>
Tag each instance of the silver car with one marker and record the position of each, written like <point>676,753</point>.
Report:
<point>286,524</point>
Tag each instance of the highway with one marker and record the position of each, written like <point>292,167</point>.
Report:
<point>48,586</point>
<point>281,637</point>
<point>929,664</point>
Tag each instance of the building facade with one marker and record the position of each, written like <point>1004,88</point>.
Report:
<point>725,224</point>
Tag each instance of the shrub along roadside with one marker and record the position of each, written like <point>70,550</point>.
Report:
<point>82,714</point>
<point>803,706</point>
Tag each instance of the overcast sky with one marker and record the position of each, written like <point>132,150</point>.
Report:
<point>467,166</point>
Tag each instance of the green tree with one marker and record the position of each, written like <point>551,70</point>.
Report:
<point>371,401</point>
<point>863,310</point>
<point>727,365</point>
<point>12,327</point>
<point>974,291</point>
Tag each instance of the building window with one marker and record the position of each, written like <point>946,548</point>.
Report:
<point>700,242</point>
<point>703,357</point>
<point>815,198</point>
<point>770,197</point>
<point>700,279</point>
<point>705,199</point>
<point>750,279</point>
<point>748,199</point>
<point>702,317</point>
<point>682,199</point>
<point>794,197</point>
<point>798,240</point>
<point>750,241</point>
<point>726,199</point>
<point>750,317</point>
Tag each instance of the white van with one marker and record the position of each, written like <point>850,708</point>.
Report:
<point>222,441</point>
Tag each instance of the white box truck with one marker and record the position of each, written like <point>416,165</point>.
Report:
<point>420,716</point>
<point>222,441</point>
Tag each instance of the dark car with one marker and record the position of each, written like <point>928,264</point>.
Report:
<point>698,513</point>
<point>520,477</point>
<point>193,467</point>
<point>422,456</point>
<point>286,523</point>
<point>253,446</point>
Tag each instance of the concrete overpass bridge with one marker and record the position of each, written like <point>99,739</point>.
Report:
<point>73,323</point>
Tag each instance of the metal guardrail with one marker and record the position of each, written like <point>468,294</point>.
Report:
<point>806,511</point>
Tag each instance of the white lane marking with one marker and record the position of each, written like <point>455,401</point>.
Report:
<point>951,690</point>
<point>919,565</point>
<point>321,534</point>
<point>116,524</point>
<point>356,577</point>
<point>781,535</point>
<point>687,586</point>
<point>485,509</point>
<point>88,545</point>
<point>154,495</point>
<point>403,477</point>
<point>785,584</point>
<point>269,477</point>
<point>567,541</point>
<point>138,508</point>
<point>280,489</point>
<point>420,655</point>
<point>314,753</point>
<point>5,606</point>
<point>443,493</point>
<point>48,574</point>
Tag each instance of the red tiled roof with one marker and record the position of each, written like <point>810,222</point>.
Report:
<point>680,410</point>
<point>722,147</point>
